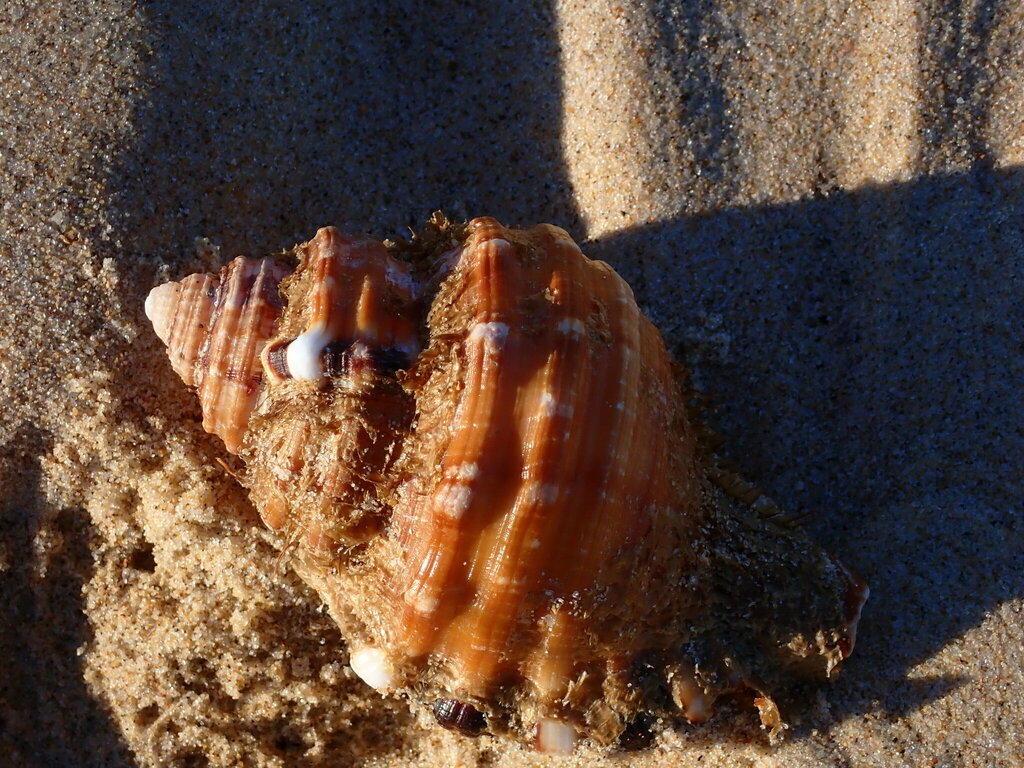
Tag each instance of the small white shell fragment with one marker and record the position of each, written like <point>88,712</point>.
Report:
<point>555,737</point>
<point>689,696</point>
<point>373,666</point>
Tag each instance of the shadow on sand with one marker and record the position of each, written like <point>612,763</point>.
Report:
<point>268,120</point>
<point>47,715</point>
<point>865,355</point>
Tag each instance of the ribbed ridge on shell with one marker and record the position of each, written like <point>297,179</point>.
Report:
<point>553,460</point>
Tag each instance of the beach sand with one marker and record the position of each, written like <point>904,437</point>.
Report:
<point>821,207</point>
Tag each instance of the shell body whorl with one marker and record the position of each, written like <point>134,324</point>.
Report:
<point>479,447</point>
<point>533,464</point>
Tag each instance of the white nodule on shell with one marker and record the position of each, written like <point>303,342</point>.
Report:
<point>555,737</point>
<point>160,304</point>
<point>422,602</point>
<point>492,334</point>
<point>571,325</point>
<point>538,493</point>
<point>303,354</point>
<point>548,403</point>
<point>455,501</point>
<point>399,275</point>
<point>465,472</point>
<point>373,666</point>
<point>499,242</point>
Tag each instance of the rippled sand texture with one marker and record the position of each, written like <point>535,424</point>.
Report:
<point>820,206</point>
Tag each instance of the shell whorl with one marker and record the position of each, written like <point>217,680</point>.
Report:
<point>352,323</point>
<point>356,313</point>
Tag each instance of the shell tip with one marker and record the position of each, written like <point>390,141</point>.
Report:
<point>160,306</point>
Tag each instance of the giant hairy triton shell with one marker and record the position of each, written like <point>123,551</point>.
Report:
<point>477,449</point>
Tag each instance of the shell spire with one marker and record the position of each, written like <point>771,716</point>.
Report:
<point>215,327</point>
<point>479,448</point>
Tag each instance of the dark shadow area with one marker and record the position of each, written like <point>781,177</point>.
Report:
<point>693,40</point>
<point>269,120</point>
<point>47,715</point>
<point>955,50</point>
<point>865,356</point>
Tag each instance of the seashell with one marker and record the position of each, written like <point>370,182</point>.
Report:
<point>478,451</point>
